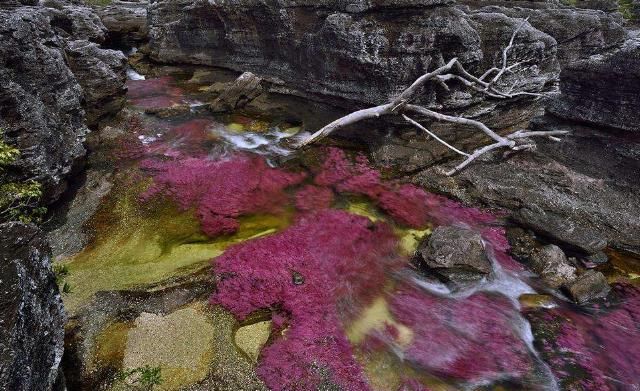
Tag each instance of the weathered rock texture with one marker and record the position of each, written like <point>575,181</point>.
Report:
<point>102,75</point>
<point>603,90</point>
<point>582,191</point>
<point>454,253</point>
<point>364,52</point>
<point>126,21</point>
<point>31,314</point>
<point>42,101</point>
<point>579,32</point>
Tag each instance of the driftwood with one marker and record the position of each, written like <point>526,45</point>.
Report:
<point>453,70</point>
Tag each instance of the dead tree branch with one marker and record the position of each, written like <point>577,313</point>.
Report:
<point>452,71</point>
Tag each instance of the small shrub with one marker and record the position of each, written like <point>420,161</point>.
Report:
<point>60,271</point>
<point>8,153</point>
<point>141,378</point>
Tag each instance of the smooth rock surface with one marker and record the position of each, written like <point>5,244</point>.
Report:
<point>31,314</point>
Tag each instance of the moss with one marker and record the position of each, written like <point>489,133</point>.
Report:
<point>252,337</point>
<point>8,153</point>
<point>138,245</point>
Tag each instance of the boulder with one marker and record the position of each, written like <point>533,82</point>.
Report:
<point>31,314</point>
<point>588,286</point>
<point>455,254</point>
<point>102,73</point>
<point>552,265</point>
<point>237,94</point>
<point>603,89</point>
<point>40,99</point>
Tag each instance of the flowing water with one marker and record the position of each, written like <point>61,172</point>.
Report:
<point>234,262</point>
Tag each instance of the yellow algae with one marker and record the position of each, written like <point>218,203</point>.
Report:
<point>376,317</point>
<point>410,239</point>
<point>251,338</point>
<point>139,245</point>
<point>533,300</point>
<point>292,131</point>
<point>258,126</point>
<point>180,343</point>
<point>385,371</point>
<point>110,344</point>
<point>363,208</point>
<point>235,127</point>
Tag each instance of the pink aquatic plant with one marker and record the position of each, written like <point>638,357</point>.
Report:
<point>312,276</point>
<point>220,190</point>
<point>597,350</point>
<point>313,198</point>
<point>156,93</point>
<point>474,339</point>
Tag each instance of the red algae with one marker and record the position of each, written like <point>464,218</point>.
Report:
<point>598,350</point>
<point>472,339</point>
<point>220,190</point>
<point>154,93</point>
<point>321,269</point>
<point>313,198</point>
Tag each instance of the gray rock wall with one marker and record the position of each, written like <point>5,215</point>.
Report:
<point>31,314</point>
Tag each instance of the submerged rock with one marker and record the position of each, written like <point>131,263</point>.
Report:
<point>454,253</point>
<point>31,315</point>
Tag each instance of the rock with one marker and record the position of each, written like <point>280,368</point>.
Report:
<point>246,88</point>
<point>40,100</point>
<point>598,258</point>
<point>333,51</point>
<point>522,242</point>
<point>126,21</point>
<point>582,192</point>
<point>456,254</point>
<point>552,265</point>
<point>102,75</point>
<point>588,286</point>
<point>31,315</point>
<point>80,23</point>
<point>603,89</point>
<point>580,33</point>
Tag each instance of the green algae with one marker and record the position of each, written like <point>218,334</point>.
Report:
<point>137,245</point>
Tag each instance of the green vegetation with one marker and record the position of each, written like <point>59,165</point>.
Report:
<point>626,8</point>
<point>18,200</point>
<point>140,379</point>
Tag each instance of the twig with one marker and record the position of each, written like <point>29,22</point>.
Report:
<point>417,125</point>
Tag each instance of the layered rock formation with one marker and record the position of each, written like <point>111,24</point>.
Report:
<point>42,101</point>
<point>363,52</point>
<point>603,90</point>
<point>31,314</point>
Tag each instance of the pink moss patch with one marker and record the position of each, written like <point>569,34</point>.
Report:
<point>311,276</point>
<point>470,339</point>
<point>155,93</point>
<point>220,190</point>
<point>597,351</point>
<point>313,198</point>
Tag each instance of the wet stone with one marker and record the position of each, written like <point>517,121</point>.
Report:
<point>589,286</point>
<point>455,254</point>
<point>552,265</point>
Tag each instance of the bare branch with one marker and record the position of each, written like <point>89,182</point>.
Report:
<point>453,70</point>
<point>417,125</point>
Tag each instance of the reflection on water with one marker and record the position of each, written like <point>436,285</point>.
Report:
<point>321,248</point>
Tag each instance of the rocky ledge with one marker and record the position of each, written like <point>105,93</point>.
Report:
<point>31,313</point>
